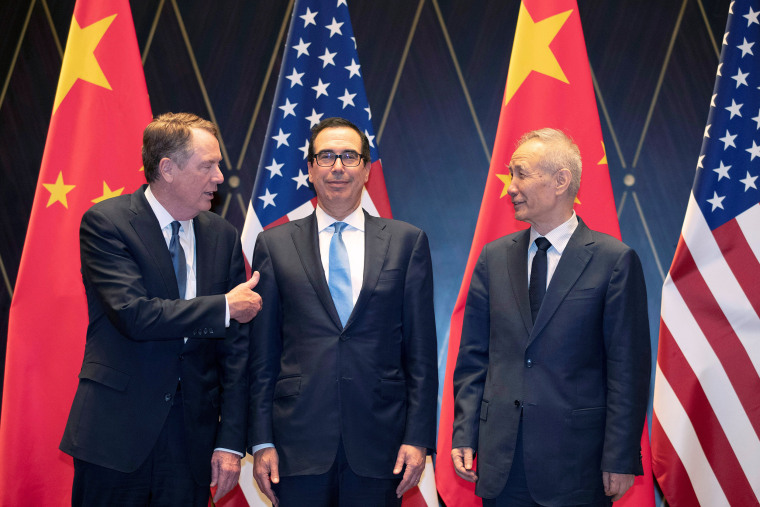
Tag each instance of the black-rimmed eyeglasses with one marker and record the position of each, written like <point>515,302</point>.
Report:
<point>328,158</point>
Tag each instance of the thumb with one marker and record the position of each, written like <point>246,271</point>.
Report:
<point>214,474</point>
<point>399,462</point>
<point>254,280</point>
<point>468,459</point>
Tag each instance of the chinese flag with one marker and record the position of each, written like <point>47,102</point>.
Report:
<point>92,153</point>
<point>548,85</point>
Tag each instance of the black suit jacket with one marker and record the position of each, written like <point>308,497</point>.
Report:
<point>579,376</point>
<point>373,383</point>
<point>135,351</point>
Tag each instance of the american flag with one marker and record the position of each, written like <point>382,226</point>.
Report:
<point>320,77</point>
<point>706,425</point>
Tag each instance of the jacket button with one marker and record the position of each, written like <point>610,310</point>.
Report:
<point>181,357</point>
<point>529,363</point>
<point>517,403</point>
<point>167,397</point>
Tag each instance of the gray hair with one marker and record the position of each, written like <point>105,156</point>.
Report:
<point>561,152</point>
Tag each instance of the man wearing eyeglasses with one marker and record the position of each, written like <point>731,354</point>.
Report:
<point>343,361</point>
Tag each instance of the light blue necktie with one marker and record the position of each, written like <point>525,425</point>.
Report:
<point>340,274</point>
<point>178,259</point>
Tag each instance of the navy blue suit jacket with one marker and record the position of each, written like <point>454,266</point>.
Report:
<point>579,376</point>
<point>373,383</point>
<point>135,351</point>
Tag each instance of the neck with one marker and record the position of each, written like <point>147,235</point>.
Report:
<point>338,214</point>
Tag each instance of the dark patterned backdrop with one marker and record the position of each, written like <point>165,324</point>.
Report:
<point>434,71</point>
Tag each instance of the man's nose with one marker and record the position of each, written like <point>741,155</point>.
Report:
<point>218,175</point>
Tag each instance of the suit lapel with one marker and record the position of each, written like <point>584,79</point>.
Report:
<point>517,262</point>
<point>376,242</point>
<point>147,228</point>
<point>306,240</point>
<point>574,260</point>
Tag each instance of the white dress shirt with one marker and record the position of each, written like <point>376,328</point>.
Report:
<point>559,237</point>
<point>353,237</point>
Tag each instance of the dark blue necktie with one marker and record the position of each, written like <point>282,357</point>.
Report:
<point>340,274</point>
<point>178,259</point>
<point>537,288</point>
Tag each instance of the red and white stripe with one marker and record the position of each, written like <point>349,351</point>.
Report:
<point>706,425</point>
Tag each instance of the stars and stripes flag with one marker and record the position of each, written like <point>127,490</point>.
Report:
<point>706,424</point>
<point>320,78</point>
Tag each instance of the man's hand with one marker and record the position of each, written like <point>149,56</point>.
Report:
<point>462,458</point>
<point>225,471</point>
<point>615,485</point>
<point>266,470</point>
<point>244,303</point>
<point>414,459</point>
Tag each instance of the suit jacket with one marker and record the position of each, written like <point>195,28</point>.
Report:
<point>135,352</point>
<point>579,376</point>
<point>373,383</point>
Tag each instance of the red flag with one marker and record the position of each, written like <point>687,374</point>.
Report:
<point>92,153</point>
<point>548,85</point>
<point>706,424</point>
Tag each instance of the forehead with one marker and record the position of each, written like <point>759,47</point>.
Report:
<point>338,138</point>
<point>204,144</point>
<point>528,153</point>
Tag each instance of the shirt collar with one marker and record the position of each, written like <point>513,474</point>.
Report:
<point>559,237</point>
<point>164,217</point>
<point>355,219</point>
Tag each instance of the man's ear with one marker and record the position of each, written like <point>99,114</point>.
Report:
<point>562,178</point>
<point>166,168</point>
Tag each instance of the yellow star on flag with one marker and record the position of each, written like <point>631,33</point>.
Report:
<point>507,180</point>
<point>79,61</point>
<point>58,191</point>
<point>604,158</point>
<point>108,193</point>
<point>531,50</point>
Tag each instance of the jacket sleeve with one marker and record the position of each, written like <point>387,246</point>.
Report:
<point>472,360</point>
<point>628,363</point>
<point>115,280</point>
<point>232,362</point>
<point>266,348</point>
<point>420,345</point>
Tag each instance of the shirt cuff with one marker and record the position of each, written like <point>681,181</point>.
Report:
<point>226,312</point>
<point>259,447</point>
<point>229,450</point>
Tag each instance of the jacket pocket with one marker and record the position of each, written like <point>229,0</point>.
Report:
<point>288,386</point>
<point>392,389</point>
<point>484,410</point>
<point>588,417</point>
<point>105,375</point>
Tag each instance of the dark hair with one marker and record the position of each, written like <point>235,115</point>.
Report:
<point>168,136</point>
<point>329,123</point>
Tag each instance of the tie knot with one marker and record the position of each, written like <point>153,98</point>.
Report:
<point>175,228</point>
<point>542,244</point>
<point>338,227</point>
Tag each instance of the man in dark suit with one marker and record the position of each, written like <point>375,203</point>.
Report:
<point>343,378</point>
<point>160,411</point>
<point>552,377</point>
